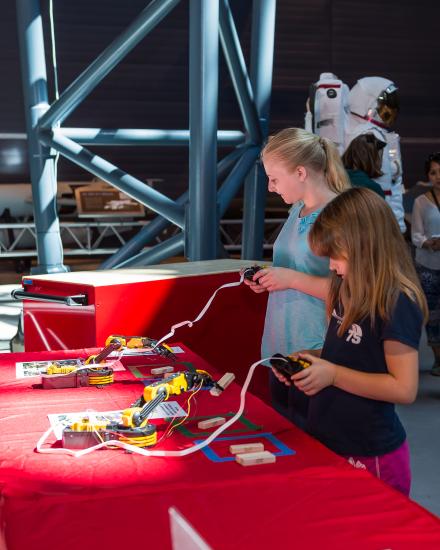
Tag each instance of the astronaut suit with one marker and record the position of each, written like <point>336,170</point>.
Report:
<point>371,106</point>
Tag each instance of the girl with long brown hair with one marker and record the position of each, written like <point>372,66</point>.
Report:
<point>369,360</point>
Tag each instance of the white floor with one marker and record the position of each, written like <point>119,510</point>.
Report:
<point>421,419</point>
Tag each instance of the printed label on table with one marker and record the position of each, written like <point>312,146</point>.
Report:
<point>36,368</point>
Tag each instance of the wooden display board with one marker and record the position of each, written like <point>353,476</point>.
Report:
<point>99,199</point>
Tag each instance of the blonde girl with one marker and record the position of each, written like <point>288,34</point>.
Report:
<point>306,171</point>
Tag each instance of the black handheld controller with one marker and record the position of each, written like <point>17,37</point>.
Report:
<point>249,272</point>
<point>288,365</point>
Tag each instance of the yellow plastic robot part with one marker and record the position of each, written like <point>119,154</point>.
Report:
<point>140,441</point>
<point>90,360</point>
<point>302,362</point>
<point>84,425</point>
<point>98,380</point>
<point>174,385</point>
<point>134,343</point>
<point>127,416</point>
<point>55,369</point>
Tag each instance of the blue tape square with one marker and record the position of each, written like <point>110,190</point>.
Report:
<point>283,450</point>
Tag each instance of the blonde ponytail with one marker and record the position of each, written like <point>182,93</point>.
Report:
<point>337,177</point>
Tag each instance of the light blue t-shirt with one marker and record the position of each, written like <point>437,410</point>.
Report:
<point>295,320</point>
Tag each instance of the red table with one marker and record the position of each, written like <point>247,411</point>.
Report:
<point>112,499</point>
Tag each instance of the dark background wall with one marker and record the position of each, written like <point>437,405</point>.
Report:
<point>352,38</point>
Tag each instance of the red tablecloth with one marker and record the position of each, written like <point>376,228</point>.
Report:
<point>113,499</point>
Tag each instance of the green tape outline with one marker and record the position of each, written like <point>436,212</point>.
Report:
<point>247,423</point>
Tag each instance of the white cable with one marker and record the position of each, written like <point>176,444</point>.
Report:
<point>200,315</point>
<point>145,452</point>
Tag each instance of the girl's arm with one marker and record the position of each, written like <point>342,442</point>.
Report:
<point>399,385</point>
<point>282,278</point>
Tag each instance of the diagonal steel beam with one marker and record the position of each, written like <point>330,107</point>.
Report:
<point>171,247</point>
<point>141,239</point>
<point>237,69</point>
<point>101,168</point>
<point>234,181</point>
<point>106,61</point>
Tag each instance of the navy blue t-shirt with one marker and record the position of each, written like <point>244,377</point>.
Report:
<point>353,425</point>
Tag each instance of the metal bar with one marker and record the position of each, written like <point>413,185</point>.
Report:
<point>173,246</point>
<point>74,300</point>
<point>106,61</point>
<point>233,182</point>
<point>156,226</point>
<point>255,188</point>
<point>41,163</point>
<point>202,222</point>
<point>131,136</point>
<point>237,69</point>
<point>101,168</point>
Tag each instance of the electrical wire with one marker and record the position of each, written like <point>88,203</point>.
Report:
<point>185,418</point>
<point>200,315</point>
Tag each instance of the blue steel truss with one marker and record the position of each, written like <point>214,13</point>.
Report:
<point>199,210</point>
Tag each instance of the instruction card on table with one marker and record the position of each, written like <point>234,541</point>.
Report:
<point>36,368</point>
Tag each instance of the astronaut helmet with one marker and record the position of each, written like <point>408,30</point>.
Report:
<point>375,98</point>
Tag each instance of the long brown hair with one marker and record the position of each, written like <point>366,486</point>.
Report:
<point>297,147</point>
<point>360,227</point>
<point>364,153</point>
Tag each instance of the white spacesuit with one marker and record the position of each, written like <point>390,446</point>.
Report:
<point>371,106</point>
<point>374,106</point>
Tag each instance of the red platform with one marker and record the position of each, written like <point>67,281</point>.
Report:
<point>111,499</point>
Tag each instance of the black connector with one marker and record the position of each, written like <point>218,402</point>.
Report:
<point>249,272</point>
<point>288,366</point>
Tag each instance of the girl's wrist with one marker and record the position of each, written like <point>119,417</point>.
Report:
<point>292,279</point>
<point>335,374</point>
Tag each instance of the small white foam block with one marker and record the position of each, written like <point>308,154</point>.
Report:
<point>162,370</point>
<point>224,382</point>
<point>211,422</point>
<point>252,459</point>
<point>246,448</point>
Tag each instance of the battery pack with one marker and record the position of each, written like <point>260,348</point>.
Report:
<point>78,378</point>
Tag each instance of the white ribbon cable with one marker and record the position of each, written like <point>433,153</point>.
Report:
<point>145,452</point>
<point>200,315</point>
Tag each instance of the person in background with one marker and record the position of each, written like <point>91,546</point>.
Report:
<point>362,160</point>
<point>307,172</point>
<point>369,360</point>
<point>425,235</point>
